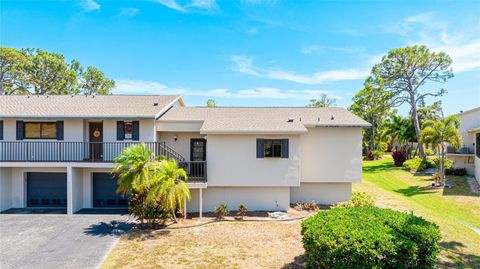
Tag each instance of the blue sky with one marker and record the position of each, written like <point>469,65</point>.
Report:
<point>249,53</point>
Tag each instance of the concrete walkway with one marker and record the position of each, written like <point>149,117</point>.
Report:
<point>58,241</point>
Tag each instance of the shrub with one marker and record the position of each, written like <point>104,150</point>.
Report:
<point>242,211</point>
<point>383,146</point>
<point>311,206</point>
<point>374,155</point>
<point>435,162</point>
<point>456,171</point>
<point>369,237</point>
<point>416,164</point>
<point>399,156</point>
<point>143,210</point>
<point>358,199</point>
<point>221,211</point>
<point>429,151</point>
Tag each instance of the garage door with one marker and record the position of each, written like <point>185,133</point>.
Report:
<point>104,192</point>
<point>46,190</point>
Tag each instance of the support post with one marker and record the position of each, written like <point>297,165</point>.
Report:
<point>185,207</point>
<point>200,210</point>
<point>69,190</point>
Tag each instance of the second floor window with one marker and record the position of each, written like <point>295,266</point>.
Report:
<point>272,148</point>
<point>40,130</point>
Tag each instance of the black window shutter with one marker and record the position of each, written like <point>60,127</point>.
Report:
<point>20,131</point>
<point>1,129</point>
<point>285,148</point>
<point>60,130</point>
<point>120,130</point>
<point>135,130</point>
<point>260,147</point>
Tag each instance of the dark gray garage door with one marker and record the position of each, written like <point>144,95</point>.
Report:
<point>46,190</point>
<point>104,192</point>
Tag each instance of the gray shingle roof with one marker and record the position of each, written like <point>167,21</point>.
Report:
<point>81,106</point>
<point>264,119</point>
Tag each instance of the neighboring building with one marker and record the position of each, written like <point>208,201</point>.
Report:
<point>468,155</point>
<point>57,151</point>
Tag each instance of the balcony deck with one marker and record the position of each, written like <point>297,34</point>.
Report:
<point>463,151</point>
<point>91,152</point>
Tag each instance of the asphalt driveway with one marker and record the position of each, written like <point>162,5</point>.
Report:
<point>57,240</point>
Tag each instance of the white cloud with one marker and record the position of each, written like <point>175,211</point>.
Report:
<point>89,5</point>
<point>172,4</point>
<point>258,2</point>
<point>207,5</point>
<point>421,17</point>
<point>125,86</point>
<point>203,4</point>
<point>310,49</point>
<point>463,44</point>
<point>244,65</point>
<point>128,12</point>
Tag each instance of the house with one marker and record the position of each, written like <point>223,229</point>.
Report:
<point>57,151</point>
<point>468,156</point>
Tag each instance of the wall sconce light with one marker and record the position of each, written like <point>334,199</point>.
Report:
<point>205,137</point>
<point>175,137</point>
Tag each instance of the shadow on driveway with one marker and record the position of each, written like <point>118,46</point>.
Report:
<point>103,211</point>
<point>113,227</point>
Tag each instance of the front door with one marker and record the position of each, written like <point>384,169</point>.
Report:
<point>96,139</point>
<point>198,156</point>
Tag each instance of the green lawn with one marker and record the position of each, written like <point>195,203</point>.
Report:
<point>455,210</point>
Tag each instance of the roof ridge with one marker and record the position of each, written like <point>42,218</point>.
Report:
<point>261,107</point>
<point>88,95</point>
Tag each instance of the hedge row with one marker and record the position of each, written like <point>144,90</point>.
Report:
<point>369,237</point>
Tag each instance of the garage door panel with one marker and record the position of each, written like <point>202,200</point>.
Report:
<point>46,189</point>
<point>105,192</point>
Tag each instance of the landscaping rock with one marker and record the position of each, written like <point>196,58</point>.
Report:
<point>278,215</point>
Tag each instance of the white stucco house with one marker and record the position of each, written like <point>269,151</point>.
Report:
<point>57,151</point>
<point>468,156</point>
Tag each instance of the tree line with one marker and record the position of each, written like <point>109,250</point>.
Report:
<point>35,71</point>
<point>399,79</point>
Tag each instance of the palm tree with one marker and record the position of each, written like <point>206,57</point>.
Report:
<point>133,168</point>
<point>168,186</point>
<point>133,172</point>
<point>437,133</point>
<point>394,128</point>
<point>160,181</point>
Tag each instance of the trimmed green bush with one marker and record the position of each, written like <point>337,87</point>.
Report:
<point>416,164</point>
<point>369,237</point>
<point>358,199</point>
<point>435,162</point>
<point>383,146</point>
<point>374,155</point>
